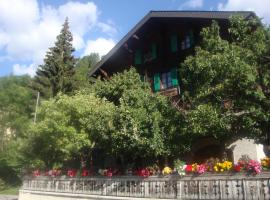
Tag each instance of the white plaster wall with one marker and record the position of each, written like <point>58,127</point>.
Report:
<point>247,147</point>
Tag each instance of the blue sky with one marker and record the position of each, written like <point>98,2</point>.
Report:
<point>29,27</point>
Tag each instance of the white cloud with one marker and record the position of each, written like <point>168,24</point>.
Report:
<point>82,16</point>
<point>107,28</point>
<point>191,4</point>
<point>18,15</point>
<point>28,29</point>
<point>24,69</point>
<point>100,45</point>
<point>260,7</point>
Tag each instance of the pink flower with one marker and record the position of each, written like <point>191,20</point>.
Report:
<point>201,168</point>
<point>254,166</point>
<point>109,173</point>
<point>36,173</point>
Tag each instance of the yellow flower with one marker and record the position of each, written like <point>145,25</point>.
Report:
<point>194,167</point>
<point>166,171</point>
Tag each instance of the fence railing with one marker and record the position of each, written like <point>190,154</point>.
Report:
<point>207,186</point>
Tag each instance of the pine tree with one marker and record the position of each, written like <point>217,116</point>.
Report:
<point>56,74</point>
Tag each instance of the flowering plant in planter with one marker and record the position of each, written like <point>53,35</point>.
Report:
<point>153,170</point>
<point>180,166</point>
<point>36,173</point>
<point>201,169</point>
<point>254,167</point>
<point>196,168</point>
<point>167,170</point>
<point>265,163</point>
<point>85,172</point>
<point>249,165</point>
<point>53,172</point>
<point>223,166</point>
<point>238,168</point>
<point>210,164</point>
<point>189,169</point>
<point>106,172</point>
<point>144,172</point>
<point>72,173</point>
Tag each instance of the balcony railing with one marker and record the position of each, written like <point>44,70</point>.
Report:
<point>207,186</point>
<point>170,92</point>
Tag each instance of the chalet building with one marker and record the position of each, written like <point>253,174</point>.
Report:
<point>157,45</point>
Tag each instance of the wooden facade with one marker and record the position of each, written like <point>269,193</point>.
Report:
<point>159,43</point>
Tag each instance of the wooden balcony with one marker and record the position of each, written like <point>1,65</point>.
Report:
<point>170,92</point>
<point>207,186</point>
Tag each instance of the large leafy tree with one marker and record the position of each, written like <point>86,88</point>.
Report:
<point>226,85</point>
<point>56,74</point>
<point>146,125</point>
<point>68,126</point>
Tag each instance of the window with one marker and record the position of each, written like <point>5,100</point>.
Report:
<point>165,80</point>
<point>188,41</point>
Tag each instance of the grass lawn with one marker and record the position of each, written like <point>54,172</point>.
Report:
<point>10,191</point>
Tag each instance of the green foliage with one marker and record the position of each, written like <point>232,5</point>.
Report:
<point>145,123</point>
<point>82,68</point>
<point>69,125</point>
<point>15,108</point>
<point>222,86</point>
<point>56,74</point>
<point>11,163</point>
<point>119,84</point>
<point>120,116</point>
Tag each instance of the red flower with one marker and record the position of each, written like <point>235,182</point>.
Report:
<point>143,172</point>
<point>85,172</point>
<point>237,168</point>
<point>188,168</point>
<point>72,172</point>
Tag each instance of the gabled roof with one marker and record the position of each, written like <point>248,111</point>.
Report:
<point>171,14</point>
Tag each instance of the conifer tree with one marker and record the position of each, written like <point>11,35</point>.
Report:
<point>56,74</point>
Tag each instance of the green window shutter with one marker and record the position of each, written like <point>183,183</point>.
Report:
<point>138,57</point>
<point>174,77</point>
<point>174,46</point>
<point>154,50</point>
<point>191,38</point>
<point>156,82</point>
